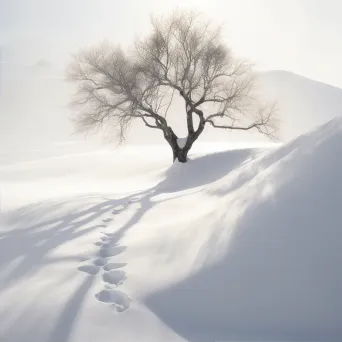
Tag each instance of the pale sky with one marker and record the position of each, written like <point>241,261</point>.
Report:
<point>303,36</point>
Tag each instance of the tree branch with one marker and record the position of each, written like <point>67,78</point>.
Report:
<point>183,55</point>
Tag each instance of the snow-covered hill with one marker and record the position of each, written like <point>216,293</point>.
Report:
<point>303,103</point>
<point>240,245</point>
<point>34,109</point>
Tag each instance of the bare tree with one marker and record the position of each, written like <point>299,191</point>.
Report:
<point>183,55</point>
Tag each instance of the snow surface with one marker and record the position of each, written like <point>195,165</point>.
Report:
<point>239,245</point>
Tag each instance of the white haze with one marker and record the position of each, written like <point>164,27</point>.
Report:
<point>37,39</point>
<point>242,243</point>
<point>34,110</point>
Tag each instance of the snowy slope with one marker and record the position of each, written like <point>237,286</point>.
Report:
<point>236,245</point>
<point>34,112</point>
<point>302,103</point>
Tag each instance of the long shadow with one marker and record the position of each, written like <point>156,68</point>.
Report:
<point>65,325</point>
<point>203,170</point>
<point>32,244</point>
<point>278,279</point>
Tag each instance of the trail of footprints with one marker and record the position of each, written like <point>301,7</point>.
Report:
<point>113,274</point>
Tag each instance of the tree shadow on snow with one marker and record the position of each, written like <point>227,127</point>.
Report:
<point>279,278</point>
<point>41,228</point>
<point>203,170</point>
<point>33,238</point>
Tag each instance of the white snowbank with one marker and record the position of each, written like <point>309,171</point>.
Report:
<point>275,236</point>
<point>238,245</point>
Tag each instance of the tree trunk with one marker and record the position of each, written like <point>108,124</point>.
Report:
<point>180,154</point>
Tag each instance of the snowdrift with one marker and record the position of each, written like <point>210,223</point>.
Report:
<point>279,235</point>
<point>240,245</point>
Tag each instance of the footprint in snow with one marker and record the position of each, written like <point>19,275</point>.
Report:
<point>107,220</point>
<point>114,277</point>
<point>109,243</point>
<point>84,258</point>
<point>100,262</point>
<point>106,252</point>
<point>105,244</point>
<point>118,209</point>
<point>114,265</point>
<point>90,269</point>
<point>108,286</point>
<point>120,301</point>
